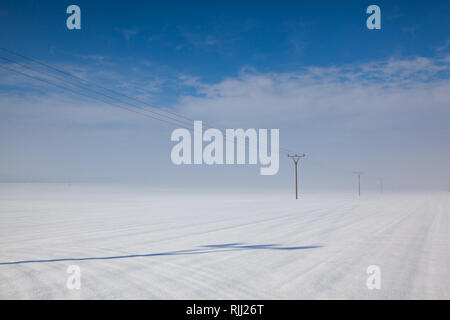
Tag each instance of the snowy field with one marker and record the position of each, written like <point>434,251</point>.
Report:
<point>132,242</point>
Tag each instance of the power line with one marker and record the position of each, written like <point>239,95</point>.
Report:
<point>142,111</point>
<point>89,96</point>
<point>88,89</point>
<point>89,82</point>
<point>113,91</point>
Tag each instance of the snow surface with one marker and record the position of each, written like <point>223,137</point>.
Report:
<point>133,242</point>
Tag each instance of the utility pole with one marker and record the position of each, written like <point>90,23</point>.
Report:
<point>295,158</point>
<point>359,182</point>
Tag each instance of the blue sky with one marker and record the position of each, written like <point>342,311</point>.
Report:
<point>335,89</point>
<point>215,39</point>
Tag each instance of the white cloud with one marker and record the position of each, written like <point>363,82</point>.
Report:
<point>375,92</point>
<point>387,116</point>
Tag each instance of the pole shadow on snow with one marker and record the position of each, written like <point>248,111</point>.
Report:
<point>204,249</point>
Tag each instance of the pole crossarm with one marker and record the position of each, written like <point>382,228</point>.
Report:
<point>296,157</point>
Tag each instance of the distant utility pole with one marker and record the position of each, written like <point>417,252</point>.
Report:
<point>295,158</point>
<point>358,173</point>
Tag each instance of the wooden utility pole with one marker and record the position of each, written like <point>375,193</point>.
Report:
<point>359,182</point>
<point>295,158</point>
